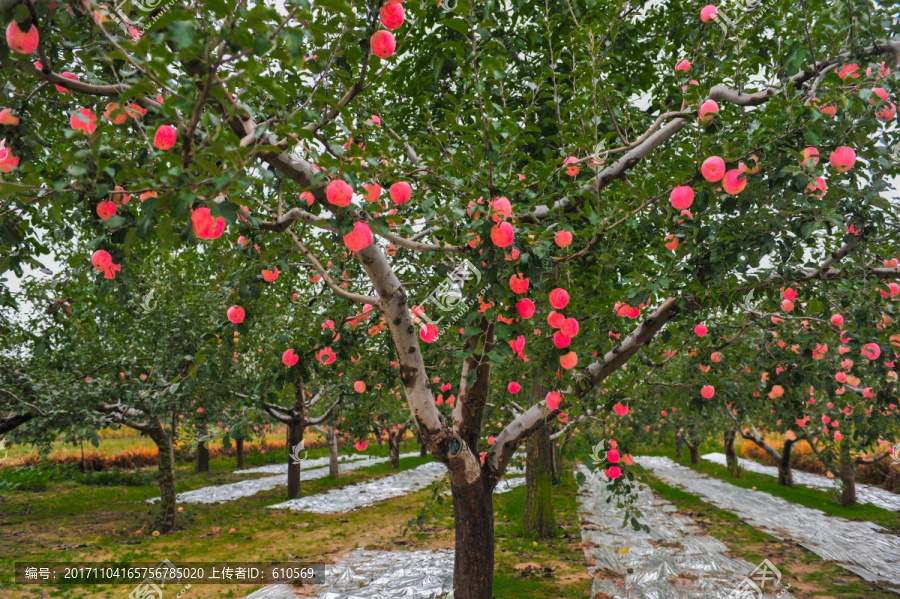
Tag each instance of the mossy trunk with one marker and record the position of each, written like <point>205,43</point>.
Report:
<point>695,453</point>
<point>239,453</point>
<point>555,457</point>
<point>294,437</point>
<point>333,469</point>
<point>848,478</point>
<point>785,473</point>
<point>201,458</point>
<point>394,442</point>
<point>731,459</point>
<point>165,518</point>
<point>539,515</point>
<point>679,443</point>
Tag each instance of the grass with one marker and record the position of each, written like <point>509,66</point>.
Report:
<point>71,521</point>
<point>527,567</point>
<point>116,441</point>
<point>531,568</point>
<point>109,445</point>
<point>808,574</point>
<point>825,501</point>
<point>76,522</point>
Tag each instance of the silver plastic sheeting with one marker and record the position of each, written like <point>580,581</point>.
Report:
<point>246,488</point>
<point>275,591</point>
<point>675,560</point>
<point>508,484</point>
<point>316,463</point>
<point>864,548</point>
<point>368,574</point>
<point>352,497</point>
<point>864,493</point>
<point>504,486</point>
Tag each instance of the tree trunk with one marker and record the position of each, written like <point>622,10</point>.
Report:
<point>165,518</point>
<point>333,469</point>
<point>294,437</point>
<point>394,442</point>
<point>731,459</point>
<point>173,438</point>
<point>539,514</point>
<point>473,568</point>
<point>848,478</point>
<point>201,460</point>
<point>423,451</point>
<point>555,457</point>
<point>695,453</point>
<point>239,453</point>
<point>679,442</point>
<point>785,474</point>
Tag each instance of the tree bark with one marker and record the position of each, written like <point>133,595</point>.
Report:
<point>539,514</point>
<point>239,453</point>
<point>473,568</point>
<point>294,437</point>
<point>173,438</point>
<point>13,421</point>
<point>423,451</point>
<point>731,459</point>
<point>785,473</point>
<point>333,469</point>
<point>201,459</point>
<point>165,518</point>
<point>555,458</point>
<point>679,443</point>
<point>848,478</point>
<point>695,453</point>
<point>394,443</point>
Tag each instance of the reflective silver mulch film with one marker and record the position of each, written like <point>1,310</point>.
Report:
<point>675,560</point>
<point>316,463</point>
<point>864,548</point>
<point>864,493</point>
<point>505,485</point>
<point>368,574</point>
<point>352,497</point>
<point>508,484</point>
<point>275,591</point>
<point>246,488</point>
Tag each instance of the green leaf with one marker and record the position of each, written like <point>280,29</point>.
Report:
<point>457,25</point>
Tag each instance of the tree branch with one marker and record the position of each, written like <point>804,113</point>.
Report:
<point>469,411</point>
<point>328,412</point>
<point>360,299</point>
<point>875,460</point>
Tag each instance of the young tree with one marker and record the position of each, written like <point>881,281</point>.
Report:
<point>297,419</point>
